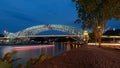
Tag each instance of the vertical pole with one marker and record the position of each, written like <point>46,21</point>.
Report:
<point>85,37</point>
<point>113,37</point>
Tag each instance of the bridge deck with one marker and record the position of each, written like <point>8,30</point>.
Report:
<point>50,36</point>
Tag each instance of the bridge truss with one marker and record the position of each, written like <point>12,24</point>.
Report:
<point>40,28</point>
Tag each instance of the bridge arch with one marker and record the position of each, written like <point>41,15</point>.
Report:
<point>40,28</point>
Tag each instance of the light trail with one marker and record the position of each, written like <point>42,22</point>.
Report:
<point>109,44</point>
<point>31,47</point>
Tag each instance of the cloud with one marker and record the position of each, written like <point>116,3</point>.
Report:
<point>20,16</point>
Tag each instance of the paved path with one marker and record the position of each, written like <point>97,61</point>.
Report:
<point>84,57</point>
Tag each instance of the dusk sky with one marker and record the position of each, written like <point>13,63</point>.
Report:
<point>16,15</point>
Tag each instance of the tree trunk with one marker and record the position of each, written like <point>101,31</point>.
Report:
<point>99,41</point>
<point>95,33</point>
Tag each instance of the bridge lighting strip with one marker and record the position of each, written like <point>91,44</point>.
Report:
<point>110,36</point>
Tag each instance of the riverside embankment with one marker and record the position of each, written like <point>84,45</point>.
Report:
<point>83,57</point>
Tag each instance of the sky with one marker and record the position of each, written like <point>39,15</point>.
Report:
<point>17,15</point>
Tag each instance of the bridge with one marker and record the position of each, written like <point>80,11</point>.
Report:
<point>74,33</point>
<point>48,36</point>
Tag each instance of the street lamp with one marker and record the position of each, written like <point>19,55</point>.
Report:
<point>99,35</point>
<point>85,37</point>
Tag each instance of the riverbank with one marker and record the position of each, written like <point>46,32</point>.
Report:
<point>83,57</point>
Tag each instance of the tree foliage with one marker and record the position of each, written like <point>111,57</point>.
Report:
<point>41,59</point>
<point>6,61</point>
<point>101,10</point>
<point>94,13</point>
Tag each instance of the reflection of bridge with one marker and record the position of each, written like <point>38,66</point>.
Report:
<point>34,30</point>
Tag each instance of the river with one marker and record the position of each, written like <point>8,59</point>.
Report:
<point>34,51</point>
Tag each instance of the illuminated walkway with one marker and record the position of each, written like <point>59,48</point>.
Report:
<point>84,57</point>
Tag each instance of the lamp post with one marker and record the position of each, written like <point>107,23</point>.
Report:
<point>99,35</point>
<point>113,37</point>
<point>85,37</point>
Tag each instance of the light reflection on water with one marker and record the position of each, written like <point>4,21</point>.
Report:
<point>33,51</point>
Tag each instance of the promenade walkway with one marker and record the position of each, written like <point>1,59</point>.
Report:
<point>84,57</point>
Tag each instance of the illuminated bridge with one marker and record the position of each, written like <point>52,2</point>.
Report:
<point>48,36</point>
<point>34,30</point>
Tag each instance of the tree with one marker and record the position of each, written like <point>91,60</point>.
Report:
<point>95,13</point>
<point>91,37</point>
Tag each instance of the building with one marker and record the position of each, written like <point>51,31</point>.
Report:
<point>111,36</point>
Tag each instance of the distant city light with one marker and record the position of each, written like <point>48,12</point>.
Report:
<point>113,29</point>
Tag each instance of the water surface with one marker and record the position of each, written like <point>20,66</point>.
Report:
<point>33,51</point>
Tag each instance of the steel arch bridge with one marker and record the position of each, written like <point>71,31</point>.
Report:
<point>40,28</point>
